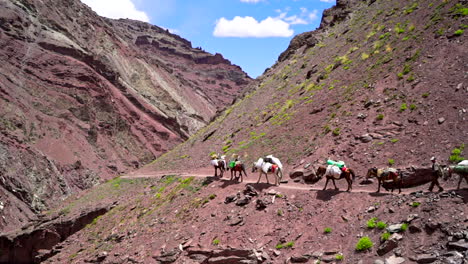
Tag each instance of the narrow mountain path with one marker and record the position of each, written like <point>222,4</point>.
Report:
<point>252,179</point>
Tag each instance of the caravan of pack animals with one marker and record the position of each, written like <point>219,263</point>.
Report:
<point>335,170</point>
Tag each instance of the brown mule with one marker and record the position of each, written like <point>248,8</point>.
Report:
<point>348,174</point>
<point>219,164</point>
<point>238,168</point>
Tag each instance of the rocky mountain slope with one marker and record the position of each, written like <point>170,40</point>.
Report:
<point>379,83</point>
<point>84,97</point>
<point>193,220</point>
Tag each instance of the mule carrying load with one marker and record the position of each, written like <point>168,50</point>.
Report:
<point>218,163</point>
<point>461,169</point>
<point>236,165</point>
<point>336,170</point>
<point>269,165</point>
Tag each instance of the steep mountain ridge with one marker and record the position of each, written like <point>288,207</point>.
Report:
<point>84,98</point>
<point>379,83</point>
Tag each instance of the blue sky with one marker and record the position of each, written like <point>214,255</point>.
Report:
<point>250,33</point>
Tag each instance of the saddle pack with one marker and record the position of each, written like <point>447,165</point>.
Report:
<point>273,168</point>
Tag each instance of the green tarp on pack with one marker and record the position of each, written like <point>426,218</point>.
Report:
<point>340,164</point>
<point>460,169</point>
<point>232,164</point>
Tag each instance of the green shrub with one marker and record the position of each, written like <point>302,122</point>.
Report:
<point>381,225</point>
<point>364,243</point>
<point>399,29</point>
<point>425,95</point>
<point>406,69</point>
<point>216,241</point>
<point>415,204</point>
<point>336,131</point>
<point>394,140</point>
<point>412,107</point>
<point>410,9</point>
<point>380,117</point>
<point>279,212</point>
<point>404,226</point>
<point>403,107</point>
<point>458,32</point>
<point>459,10</point>
<point>327,230</point>
<point>455,155</point>
<point>339,257</point>
<point>289,244</point>
<point>372,223</point>
<point>391,162</point>
<point>364,56</point>
<point>212,196</point>
<point>385,236</point>
<point>226,148</point>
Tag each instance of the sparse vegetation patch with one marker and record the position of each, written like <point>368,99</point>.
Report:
<point>364,243</point>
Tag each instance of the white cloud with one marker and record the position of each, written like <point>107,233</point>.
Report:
<point>249,27</point>
<point>117,9</point>
<point>250,1</point>
<point>295,20</point>
<point>313,15</point>
<point>304,18</point>
<point>328,1</point>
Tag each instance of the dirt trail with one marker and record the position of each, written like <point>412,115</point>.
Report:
<point>252,178</point>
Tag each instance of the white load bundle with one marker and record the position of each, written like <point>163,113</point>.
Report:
<point>214,162</point>
<point>259,163</point>
<point>464,163</point>
<point>333,171</point>
<point>276,161</point>
<point>266,167</point>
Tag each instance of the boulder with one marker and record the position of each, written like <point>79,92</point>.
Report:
<point>296,173</point>
<point>300,259</point>
<point>426,258</point>
<point>230,199</point>
<point>366,138</point>
<point>394,260</point>
<point>412,177</point>
<point>461,245</point>
<point>168,257</point>
<point>261,204</point>
<point>394,228</point>
<point>250,190</point>
<point>387,246</point>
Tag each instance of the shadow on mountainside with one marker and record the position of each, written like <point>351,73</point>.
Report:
<point>327,195</point>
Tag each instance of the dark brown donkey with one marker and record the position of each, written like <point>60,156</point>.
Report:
<point>386,175</point>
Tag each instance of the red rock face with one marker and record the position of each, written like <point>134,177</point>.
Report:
<point>84,98</point>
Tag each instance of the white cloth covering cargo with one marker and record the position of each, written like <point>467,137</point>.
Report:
<point>276,161</point>
<point>464,163</point>
<point>333,171</point>
<point>266,167</point>
<point>214,162</point>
